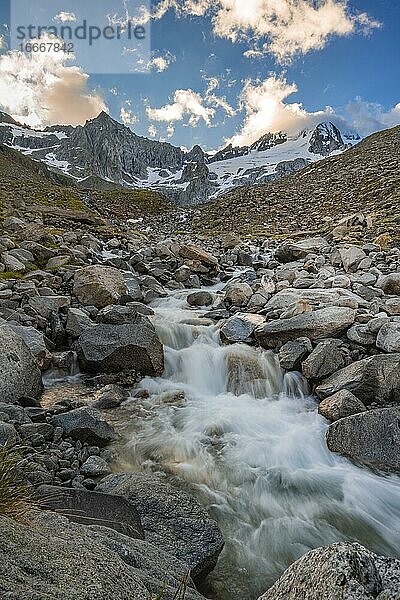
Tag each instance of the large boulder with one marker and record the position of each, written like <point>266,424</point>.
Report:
<point>389,337</point>
<point>373,379</point>
<point>341,571</point>
<point>340,405</point>
<point>372,438</point>
<point>87,425</point>
<point>390,284</point>
<point>317,298</point>
<point>115,348</point>
<point>19,374</point>
<point>316,325</point>
<point>99,286</point>
<point>325,359</point>
<point>290,251</point>
<point>240,327</point>
<point>92,508</point>
<point>55,558</point>
<point>172,520</point>
<point>36,343</point>
<point>195,253</point>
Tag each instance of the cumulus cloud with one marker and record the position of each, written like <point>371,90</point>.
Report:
<point>152,131</point>
<point>2,42</point>
<point>266,110</point>
<point>368,117</point>
<point>127,115</point>
<point>161,63</point>
<point>41,89</point>
<point>284,28</point>
<point>185,103</point>
<point>65,17</point>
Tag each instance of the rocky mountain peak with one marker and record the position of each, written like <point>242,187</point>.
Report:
<point>326,138</point>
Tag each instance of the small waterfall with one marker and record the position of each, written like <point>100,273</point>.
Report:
<point>249,440</point>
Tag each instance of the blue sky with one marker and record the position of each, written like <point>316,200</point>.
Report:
<point>352,73</point>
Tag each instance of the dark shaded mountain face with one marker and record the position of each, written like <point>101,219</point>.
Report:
<point>104,150</point>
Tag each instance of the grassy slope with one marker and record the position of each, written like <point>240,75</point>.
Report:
<point>364,179</point>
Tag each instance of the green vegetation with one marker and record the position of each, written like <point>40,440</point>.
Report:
<point>180,592</point>
<point>16,496</point>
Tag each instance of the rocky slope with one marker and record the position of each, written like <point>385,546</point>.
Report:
<point>103,152</point>
<point>364,179</point>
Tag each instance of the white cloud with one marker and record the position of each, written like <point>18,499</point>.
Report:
<point>267,111</point>
<point>185,103</point>
<point>65,17</point>
<point>40,89</point>
<point>368,117</point>
<point>152,131</point>
<point>161,63</point>
<point>127,115</point>
<point>2,42</point>
<point>284,28</point>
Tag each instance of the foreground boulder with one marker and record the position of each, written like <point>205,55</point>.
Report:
<point>19,374</point>
<point>316,325</point>
<point>341,571</point>
<point>240,327</point>
<point>340,405</point>
<point>92,508</point>
<point>374,379</point>
<point>116,348</point>
<point>372,438</point>
<point>99,286</point>
<point>87,425</point>
<point>54,558</point>
<point>172,520</point>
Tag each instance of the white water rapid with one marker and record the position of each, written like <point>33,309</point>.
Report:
<point>251,444</point>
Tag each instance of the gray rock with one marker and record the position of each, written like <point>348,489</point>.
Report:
<point>291,251</point>
<point>116,348</point>
<point>172,520</point>
<point>372,438</point>
<point>117,315</point>
<point>20,375</point>
<point>202,298</point>
<point>57,559</point>
<point>316,325</point>
<point>351,257</point>
<point>237,293</point>
<point>77,322</point>
<point>111,396</point>
<point>342,571</point>
<point>8,435</point>
<point>92,508</point>
<point>36,344</point>
<point>390,284</point>
<point>95,466</point>
<point>293,353</point>
<point>99,286</point>
<point>87,425</point>
<point>45,306</point>
<point>29,430</point>
<point>340,405</point>
<point>11,263</point>
<point>361,334</point>
<point>325,359</point>
<point>389,337</point>
<point>240,327</point>
<point>195,253</point>
<point>374,379</point>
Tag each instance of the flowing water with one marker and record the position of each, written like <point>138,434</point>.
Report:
<point>250,442</point>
